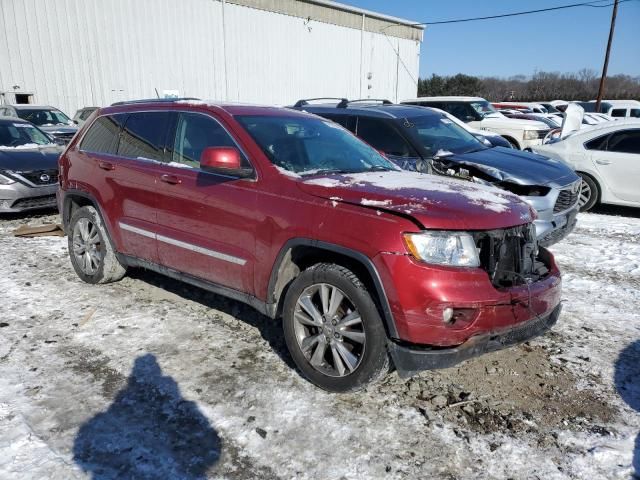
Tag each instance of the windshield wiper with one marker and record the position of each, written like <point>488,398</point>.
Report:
<point>325,171</point>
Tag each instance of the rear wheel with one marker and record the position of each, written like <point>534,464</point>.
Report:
<point>589,193</point>
<point>92,255</point>
<point>333,329</point>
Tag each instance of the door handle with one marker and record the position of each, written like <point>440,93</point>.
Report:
<point>171,179</point>
<point>603,162</point>
<point>106,165</point>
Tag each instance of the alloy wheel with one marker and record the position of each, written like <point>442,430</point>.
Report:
<point>329,330</point>
<point>87,246</point>
<point>585,194</point>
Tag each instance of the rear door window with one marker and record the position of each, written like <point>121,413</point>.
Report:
<point>619,112</point>
<point>599,143</point>
<point>383,137</point>
<point>194,133</point>
<point>144,136</point>
<point>102,136</point>
<point>626,141</point>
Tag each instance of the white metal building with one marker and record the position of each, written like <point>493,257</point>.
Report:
<point>76,53</point>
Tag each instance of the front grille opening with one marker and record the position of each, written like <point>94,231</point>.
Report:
<point>41,177</point>
<point>510,256</point>
<point>566,199</point>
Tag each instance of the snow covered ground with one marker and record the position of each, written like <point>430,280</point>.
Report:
<point>149,378</point>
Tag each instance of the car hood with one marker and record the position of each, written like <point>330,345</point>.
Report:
<point>434,202</point>
<point>24,159</point>
<point>517,123</point>
<point>59,129</point>
<point>516,166</point>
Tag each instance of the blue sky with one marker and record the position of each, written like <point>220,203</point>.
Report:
<point>560,41</point>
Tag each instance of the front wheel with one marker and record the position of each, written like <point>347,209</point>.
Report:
<point>333,329</point>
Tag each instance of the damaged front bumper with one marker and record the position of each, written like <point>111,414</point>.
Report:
<point>412,359</point>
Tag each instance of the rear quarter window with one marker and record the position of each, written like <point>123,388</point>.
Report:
<point>619,112</point>
<point>102,136</point>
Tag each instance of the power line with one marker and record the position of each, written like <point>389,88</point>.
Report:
<point>515,14</point>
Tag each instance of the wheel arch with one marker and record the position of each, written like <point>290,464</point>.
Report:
<point>75,199</point>
<point>300,253</point>
<point>595,180</point>
<point>512,141</point>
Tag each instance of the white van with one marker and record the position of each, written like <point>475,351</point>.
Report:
<point>479,113</point>
<point>622,108</point>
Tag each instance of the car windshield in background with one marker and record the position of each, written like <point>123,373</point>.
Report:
<point>21,134</point>
<point>309,146</point>
<point>436,133</point>
<point>483,108</point>
<point>44,118</point>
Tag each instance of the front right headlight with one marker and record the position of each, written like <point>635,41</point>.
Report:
<point>4,180</point>
<point>456,249</point>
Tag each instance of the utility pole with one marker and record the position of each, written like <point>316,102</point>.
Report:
<point>606,56</point>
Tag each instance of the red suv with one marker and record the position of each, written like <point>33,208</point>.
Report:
<point>368,266</point>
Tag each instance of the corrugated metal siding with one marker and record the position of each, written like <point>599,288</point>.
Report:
<point>75,53</point>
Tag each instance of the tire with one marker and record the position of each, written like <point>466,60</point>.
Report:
<point>90,249</point>
<point>590,193</point>
<point>335,357</point>
<point>513,143</point>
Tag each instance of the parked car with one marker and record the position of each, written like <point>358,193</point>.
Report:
<point>28,167</point>
<point>83,114</point>
<point>620,108</point>
<point>48,119</point>
<point>423,139</point>
<point>479,113</point>
<point>552,121</point>
<point>525,107</point>
<point>490,139</point>
<point>607,157</point>
<point>550,107</point>
<point>294,215</point>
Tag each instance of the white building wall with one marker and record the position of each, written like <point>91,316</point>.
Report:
<point>75,53</point>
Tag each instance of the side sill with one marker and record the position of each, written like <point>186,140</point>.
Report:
<point>262,307</point>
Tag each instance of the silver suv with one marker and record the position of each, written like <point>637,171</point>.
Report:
<point>48,119</point>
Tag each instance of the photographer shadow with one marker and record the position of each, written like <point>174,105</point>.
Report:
<point>627,381</point>
<point>149,431</point>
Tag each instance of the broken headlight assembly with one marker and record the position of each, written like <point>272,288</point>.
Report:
<point>525,190</point>
<point>456,249</point>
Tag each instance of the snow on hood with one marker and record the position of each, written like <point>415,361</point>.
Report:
<point>434,201</point>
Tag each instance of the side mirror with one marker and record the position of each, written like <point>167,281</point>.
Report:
<point>469,118</point>
<point>223,160</point>
<point>484,140</point>
<point>76,122</point>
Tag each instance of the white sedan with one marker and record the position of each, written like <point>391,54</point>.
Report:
<point>607,157</point>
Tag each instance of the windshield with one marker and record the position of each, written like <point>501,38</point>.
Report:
<point>309,146</point>
<point>21,134</point>
<point>484,108</point>
<point>436,133</point>
<point>44,118</point>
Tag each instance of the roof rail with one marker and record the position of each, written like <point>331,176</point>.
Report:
<point>344,103</point>
<point>305,101</point>
<point>153,100</point>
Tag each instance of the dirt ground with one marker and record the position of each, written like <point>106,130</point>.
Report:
<point>150,378</point>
